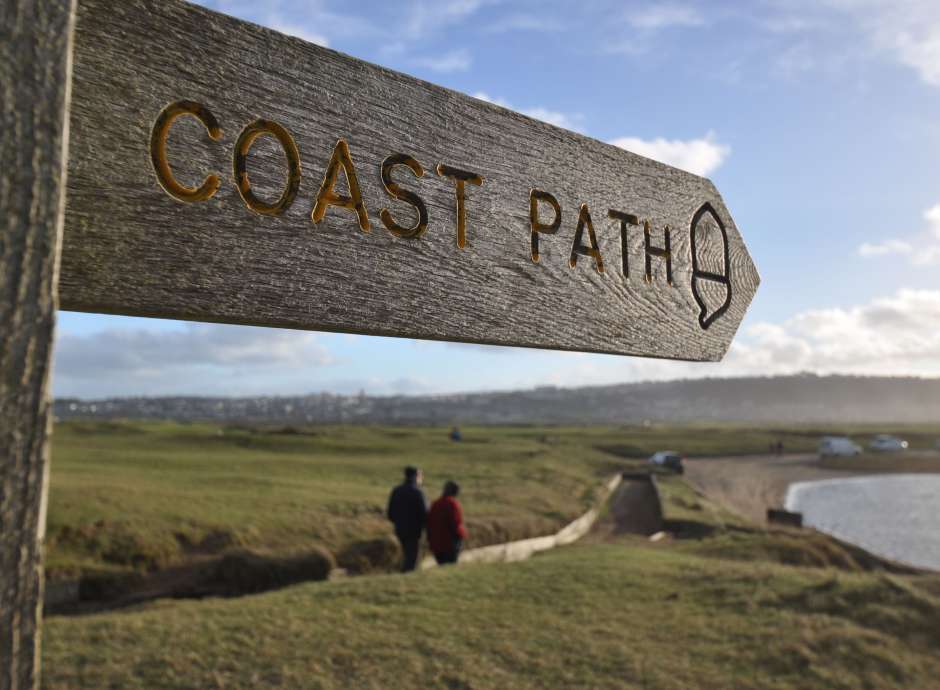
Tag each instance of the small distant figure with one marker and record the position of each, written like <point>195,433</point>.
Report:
<point>455,434</point>
<point>446,531</point>
<point>779,449</point>
<point>408,511</point>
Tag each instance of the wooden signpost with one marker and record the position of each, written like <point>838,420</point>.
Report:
<point>220,171</point>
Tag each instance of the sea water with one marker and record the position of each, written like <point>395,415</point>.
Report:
<point>896,516</point>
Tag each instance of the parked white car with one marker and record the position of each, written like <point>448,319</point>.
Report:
<point>885,442</point>
<point>838,445</point>
<point>669,459</point>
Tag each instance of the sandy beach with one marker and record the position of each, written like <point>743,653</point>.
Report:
<point>749,485</point>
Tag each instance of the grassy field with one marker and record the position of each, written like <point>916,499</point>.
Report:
<point>143,495</point>
<point>138,496</point>
<point>738,607</point>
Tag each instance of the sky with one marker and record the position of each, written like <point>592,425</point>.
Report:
<point>818,120</point>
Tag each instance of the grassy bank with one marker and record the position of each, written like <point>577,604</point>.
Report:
<point>143,495</point>
<point>584,617</point>
<point>736,607</point>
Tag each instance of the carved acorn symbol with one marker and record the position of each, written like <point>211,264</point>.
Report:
<point>711,265</point>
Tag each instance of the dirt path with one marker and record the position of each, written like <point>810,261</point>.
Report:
<point>633,509</point>
<point>749,485</point>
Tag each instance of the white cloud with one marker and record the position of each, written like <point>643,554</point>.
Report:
<point>839,32</point>
<point>916,44</point>
<point>787,24</point>
<point>552,117</point>
<point>928,256</point>
<point>698,156</point>
<point>908,30</point>
<point>525,22</point>
<point>886,247</point>
<point>483,96</point>
<point>198,358</point>
<point>923,250</point>
<point>795,60</point>
<point>898,335</point>
<point>429,16</point>
<point>661,16</point>
<point>310,20</point>
<point>932,216</point>
<point>299,31</point>
<point>454,61</point>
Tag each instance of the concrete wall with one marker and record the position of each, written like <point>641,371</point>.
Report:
<point>524,548</point>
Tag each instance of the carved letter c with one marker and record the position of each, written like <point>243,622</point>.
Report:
<point>158,136</point>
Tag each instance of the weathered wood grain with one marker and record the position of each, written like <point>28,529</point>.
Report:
<point>131,248</point>
<point>34,77</point>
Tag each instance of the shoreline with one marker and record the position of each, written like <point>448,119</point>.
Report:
<point>845,509</point>
<point>749,485</point>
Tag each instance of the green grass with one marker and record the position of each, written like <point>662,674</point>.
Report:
<point>135,495</point>
<point>735,607</point>
<point>623,615</point>
<point>129,496</point>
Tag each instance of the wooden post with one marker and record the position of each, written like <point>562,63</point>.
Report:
<point>35,73</point>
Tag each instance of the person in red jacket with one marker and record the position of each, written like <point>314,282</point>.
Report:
<point>446,531</point>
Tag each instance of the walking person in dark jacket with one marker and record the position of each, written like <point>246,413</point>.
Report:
<point>408,511</point>
<point>446,531</point>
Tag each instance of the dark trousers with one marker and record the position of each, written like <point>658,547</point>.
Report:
<point>409,548</point>
<point>446,557</point>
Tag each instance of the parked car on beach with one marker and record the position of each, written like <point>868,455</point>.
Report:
<point>831,446</point>
<point>669,459</point>
<point>886,442</point>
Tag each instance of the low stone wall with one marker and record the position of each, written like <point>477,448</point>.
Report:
<point>779,516</point>
<point>524,548</point>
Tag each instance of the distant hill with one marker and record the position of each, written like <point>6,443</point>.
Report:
<point>785,399</point>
